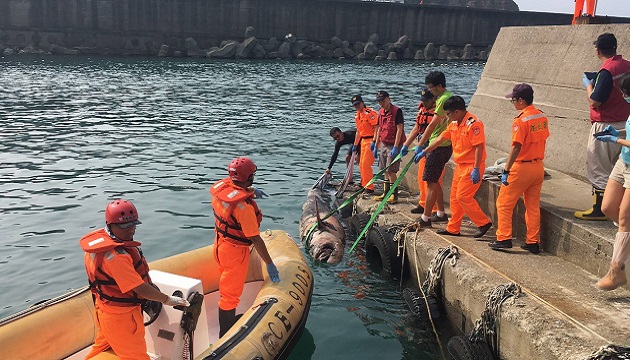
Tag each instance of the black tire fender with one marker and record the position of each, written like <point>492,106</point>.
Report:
<point>381,241</point>
<point>460,348</point>
<point>358,222</point>
<point>417,304</point>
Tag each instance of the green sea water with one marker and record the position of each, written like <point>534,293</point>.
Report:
<point>76,132</point>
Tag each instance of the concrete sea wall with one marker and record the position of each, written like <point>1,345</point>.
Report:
<point>551,59</point>
<point>142,26</point>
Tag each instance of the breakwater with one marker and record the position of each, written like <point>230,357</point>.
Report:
<point>198,27</point>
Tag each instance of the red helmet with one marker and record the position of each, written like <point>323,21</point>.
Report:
<point>241,168</point>
<point>121,211</point>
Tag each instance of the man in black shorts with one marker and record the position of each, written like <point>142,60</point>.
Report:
<point>437,159</point>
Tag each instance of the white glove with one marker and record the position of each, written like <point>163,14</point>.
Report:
<point>176,301</point>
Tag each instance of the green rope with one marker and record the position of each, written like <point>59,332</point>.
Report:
<point>351,198</point>
<point>382,204</point>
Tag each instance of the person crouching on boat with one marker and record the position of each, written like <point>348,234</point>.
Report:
<point>237,221</point>
<point>119,280</point>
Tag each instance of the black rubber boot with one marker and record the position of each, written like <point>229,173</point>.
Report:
<point>594,213</point>
<point>227,318</point>
<point>386,187</point>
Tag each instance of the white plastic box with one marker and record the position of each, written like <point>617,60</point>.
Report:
<point>165,337</point>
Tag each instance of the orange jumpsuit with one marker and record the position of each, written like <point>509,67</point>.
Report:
<point>423,118</point>
<point>236,222</point>
<point>120,326</point>
<point>579,6</point>
<point>464,138</point>
<point>530,129</point>
<point>366,120</point>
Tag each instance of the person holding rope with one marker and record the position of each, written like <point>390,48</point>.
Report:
<point>466,132</point>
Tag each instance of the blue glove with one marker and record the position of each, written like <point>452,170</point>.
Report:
<point>394,152</point>
<point>259,194</point>
<point>373,146</point>
<point>474,176</point>
<point>611,130</point>
<point>504,177</point>
<point>607,138</point>
<point>586,81</point>
<point>354,148</point>
<point>419,154</point>
<point>404,150</point>
<point>375,152</point>
<point>273,272</point>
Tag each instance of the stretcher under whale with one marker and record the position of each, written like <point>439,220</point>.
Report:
<point>274,314</point>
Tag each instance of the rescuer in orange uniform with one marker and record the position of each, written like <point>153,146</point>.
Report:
<point>524,171</point>
<point>119,280</point>
<point>467,135</point>
<point>237,221</point>
<point>366,119</point>
<point>579,6</point>
<point>426,110</point>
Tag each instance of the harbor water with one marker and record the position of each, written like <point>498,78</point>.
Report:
<point>76,132</point>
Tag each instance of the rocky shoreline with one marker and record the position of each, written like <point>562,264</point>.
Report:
<point>253,48</point>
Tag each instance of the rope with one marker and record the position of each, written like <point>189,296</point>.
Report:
<point>424,295</point>
<point>487,326</point>
<point>611,352</point>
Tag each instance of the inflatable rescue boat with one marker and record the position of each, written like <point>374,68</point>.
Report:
<point>273,317</point>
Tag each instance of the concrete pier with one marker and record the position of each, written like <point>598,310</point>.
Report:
<point>562,315</point>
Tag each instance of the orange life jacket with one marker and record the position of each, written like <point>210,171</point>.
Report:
<point>226,197</point>
<point>423,118</point>
<point>99,244</point>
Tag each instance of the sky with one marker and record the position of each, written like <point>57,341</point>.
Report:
<point>604,7</point>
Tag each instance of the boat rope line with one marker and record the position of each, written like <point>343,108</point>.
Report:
<point>351,198</point>
<point>532,294</point>
<point>424,296</point>
<point>383,202</point>
<point>44,304</point>
<point>348,177</point>
<point>487,327</point>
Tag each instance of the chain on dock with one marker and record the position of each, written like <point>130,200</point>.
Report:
<point>611,352</point>
<point>437,265</point>
<point>487,326</point>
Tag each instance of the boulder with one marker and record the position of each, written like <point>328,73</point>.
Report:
<point>321,52</point>
<point>191,44</point>
<point>273,55</point>
<point>245,49</point>
<point>453,55</point>
<point>226,51</point>
<point>289,38</point>
<point>392,56</point>
<point>382,54</point>
<point>348,53</point>
<point>336,42</point>
<point>164,50</point>
<point>370,50</point>
<point>443,54</point>
<point>468,53</point>
<point>298,47</point>
<point>302,56</point>
<point>225,42</point>
<point>407,54</point>
<point>249,32</point>
<point>284,51</point>
<point>483,55</point>
<point>358,47</point>
<point>429,52</point>
<point>338,53</point>
<point>345,44</point>
<point>259,52</point>
<point>379,58</point>
<point>57,49</point>
<point>8,51</point>
<point>419,55</point>
<point>29,49</point>
<point>389,47</point>
<point>361,56</point>
<point>373,39</point>
<point>401,43</point>
<point>178,54</point>
<point>272,45</point>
